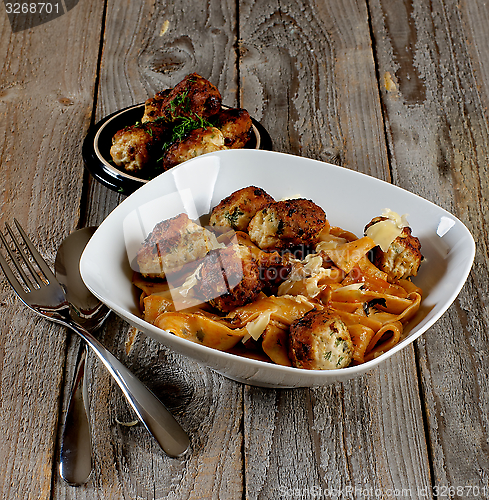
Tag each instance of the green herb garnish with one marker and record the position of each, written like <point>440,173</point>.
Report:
<point>185,125</point>
<point>232,217</point>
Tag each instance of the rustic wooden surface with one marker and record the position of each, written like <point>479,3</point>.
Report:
<point>393,88</point>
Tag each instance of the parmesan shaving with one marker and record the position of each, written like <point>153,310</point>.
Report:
<point>190,282</point>
<point>312,287</point>
<point>386,231</point>
<point>211,241</point>
<point>352,287</point>
<point>256,327</point>
<point>292,197</point>
<point>401,221</point>
<point>312,264</point>
<point>300,299</point>
<point>309,271</point>
<point>330,242</point>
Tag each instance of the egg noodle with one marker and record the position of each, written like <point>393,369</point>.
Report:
<point>337,276</point>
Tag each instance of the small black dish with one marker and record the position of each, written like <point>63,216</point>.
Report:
<point>97,143</point>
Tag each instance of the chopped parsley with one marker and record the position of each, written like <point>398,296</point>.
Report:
<point>182,101</point>
<point>232,217</point>
<point>181,120</point>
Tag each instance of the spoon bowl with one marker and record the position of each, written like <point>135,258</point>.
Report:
<point>86,309</point>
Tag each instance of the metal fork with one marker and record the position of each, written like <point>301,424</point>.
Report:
<point>41,292</point>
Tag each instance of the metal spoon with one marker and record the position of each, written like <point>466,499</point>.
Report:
<point>76,443</point>
<point>151,412</point>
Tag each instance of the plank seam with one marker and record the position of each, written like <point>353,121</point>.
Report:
<point>379,90</point>
<point>426,427</point>
<point>238,54</point>
<point>84,199</point>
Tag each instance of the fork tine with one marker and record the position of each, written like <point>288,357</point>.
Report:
<point>36,255</point>
<point>15,260</point>
<point>20,257</point>
<point>12,279</point>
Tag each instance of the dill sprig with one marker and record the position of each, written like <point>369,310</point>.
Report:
<point>181,100</point>
<point>183,120</point>
<point>184,126</point>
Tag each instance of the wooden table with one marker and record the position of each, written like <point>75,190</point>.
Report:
<point>393,88</point>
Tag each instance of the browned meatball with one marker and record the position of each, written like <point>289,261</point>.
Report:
<point>198,142</point>
<point>194,95</point>
<point>172,244</point>
<point>286,224</point>
<point>239,208</point>
<point>403,257</point>
<point>236,127</point>
<point>136,146</point>
<point>153,107</point>
<point>229,278</point>
<point>320,341</point>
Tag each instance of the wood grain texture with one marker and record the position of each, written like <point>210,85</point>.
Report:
<point>309,69</point>
<point>46,93</point>
<point>435,97</point>
<point>397,89</point>
<point>156,55</point>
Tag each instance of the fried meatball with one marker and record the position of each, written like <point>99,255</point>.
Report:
<point>403,257</point>
<point>153,107</point>
<point>286,224</point>
<point>198,142</point>
<point>274,267</point>
<point>194,95</point>
<point>172,244</point>
<point>236,127</point>
<point>320,341</point>
<point>136,146</point>
<point>239,208</point>
<point>229,278</point>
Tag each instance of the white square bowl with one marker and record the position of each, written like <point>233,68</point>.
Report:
<point>350,200</point>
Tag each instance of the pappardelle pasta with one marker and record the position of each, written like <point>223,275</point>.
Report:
<point>274,281</point>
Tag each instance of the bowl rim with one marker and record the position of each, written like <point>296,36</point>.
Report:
<point>119,180</point>
<point>319,375</point>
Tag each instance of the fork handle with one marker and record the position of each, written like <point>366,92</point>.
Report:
<point>153,414</point>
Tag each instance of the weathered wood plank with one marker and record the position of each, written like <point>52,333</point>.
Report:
<point>434,66</point>
<point>149,46</point>
<point>366,435</point>
<point>308,71</point>
<point>46,91</point>
<point>307,68</point>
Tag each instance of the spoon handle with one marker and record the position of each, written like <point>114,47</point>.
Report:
<point>151,412</point>
<point>76,444</point>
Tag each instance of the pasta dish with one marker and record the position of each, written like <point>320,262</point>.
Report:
<point>275,281</point>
